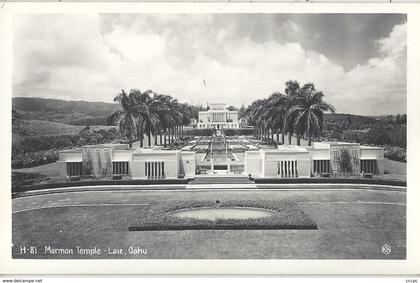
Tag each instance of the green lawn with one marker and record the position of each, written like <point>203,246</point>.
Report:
<point>352,224</point>
<point>396,170</point>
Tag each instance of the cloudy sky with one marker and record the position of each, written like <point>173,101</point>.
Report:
<point>359,61</point>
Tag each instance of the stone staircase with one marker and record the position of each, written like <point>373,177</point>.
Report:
<point>212,179</point>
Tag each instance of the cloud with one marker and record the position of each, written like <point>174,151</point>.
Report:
<point>379,85</point>
<point>92,57</point>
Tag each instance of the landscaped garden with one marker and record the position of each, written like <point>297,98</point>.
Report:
<point>279,215</point>
<point>353,223</point>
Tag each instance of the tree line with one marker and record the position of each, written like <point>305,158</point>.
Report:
<point>151,114</point>
<point>298,111</point>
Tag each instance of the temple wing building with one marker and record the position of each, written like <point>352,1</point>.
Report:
<point>217,117</point>
<point>214,155</point>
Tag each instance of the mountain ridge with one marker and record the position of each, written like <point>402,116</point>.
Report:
<point>88,113</point>
<point>63,111</point>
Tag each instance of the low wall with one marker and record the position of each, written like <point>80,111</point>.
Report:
<point>330,181</point>
<point>16,190</point>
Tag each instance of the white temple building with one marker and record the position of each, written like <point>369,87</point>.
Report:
<point>217,117</point>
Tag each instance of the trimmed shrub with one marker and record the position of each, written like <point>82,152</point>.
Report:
<point>31,159</point>
<point>396,153</point>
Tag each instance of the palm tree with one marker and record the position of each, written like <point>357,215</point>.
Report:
<point>252,115</point>
<point>157,111</point>
<point>277,112</point>
<point>169,116</point>
<point>142,101</point>
<point>151,114</point>
<point>161,108</point>
<point>127,116</point>
<point>308,112</point>
<point>186,113</point>
<point>293,92</point>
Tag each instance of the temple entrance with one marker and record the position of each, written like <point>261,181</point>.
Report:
<point>218,154</point>
<point>219,157</point>
<point>220,167</point>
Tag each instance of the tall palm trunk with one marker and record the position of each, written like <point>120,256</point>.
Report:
<point>149,138</point>
<point>141,138</point>
<point>308,131</point>
<point>262,132</point>
<point>130,140</point>
<point>140,133</point>
<point>165,135</point>
<point>174,138</point>
<point>277,137</point>
<point>289,137</point>
<point>168,135</point>
<point>160,137</point>
<point>156,138</point>
<point>173,134</point>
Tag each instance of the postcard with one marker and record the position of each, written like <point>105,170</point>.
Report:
<point>210,138</point>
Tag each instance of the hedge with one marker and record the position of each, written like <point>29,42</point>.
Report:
<point>18,189</point>
<point>228,132</point>
<point>286,215</point>
<point>330,181</point>
<point>31,159</point>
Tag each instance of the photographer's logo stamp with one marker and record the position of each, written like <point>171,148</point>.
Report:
<point>386,249</point>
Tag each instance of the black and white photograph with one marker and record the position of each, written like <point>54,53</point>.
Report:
<point>227,135</point>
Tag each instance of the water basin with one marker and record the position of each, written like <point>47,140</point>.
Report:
<point>214,213</point>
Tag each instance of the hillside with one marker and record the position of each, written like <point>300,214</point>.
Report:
<point>42,128</point>
<point>81,113</point>
<point>47,128</point>
<point>340,117</point>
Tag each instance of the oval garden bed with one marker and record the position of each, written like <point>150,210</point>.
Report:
<point>165,216</point>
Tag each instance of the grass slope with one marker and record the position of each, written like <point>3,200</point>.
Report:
<point>61,111</point>
<point>47,128</point>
